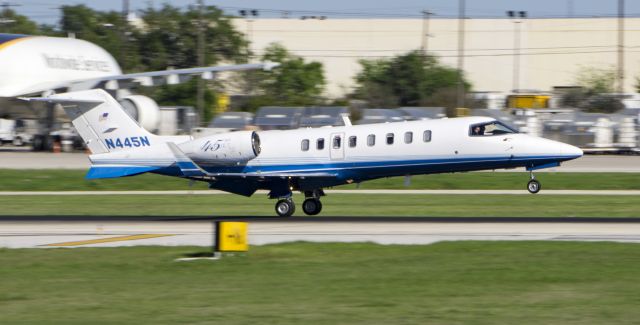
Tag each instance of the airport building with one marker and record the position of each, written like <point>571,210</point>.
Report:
<point>551,51</point>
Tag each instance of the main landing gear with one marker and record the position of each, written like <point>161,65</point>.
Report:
<point>311,205</point>
<point>285,207</point>
<point>533,186</point>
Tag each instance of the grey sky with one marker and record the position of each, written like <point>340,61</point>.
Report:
<point>44,11</point>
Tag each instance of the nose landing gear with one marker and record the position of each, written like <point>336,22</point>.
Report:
<point>533,186</point>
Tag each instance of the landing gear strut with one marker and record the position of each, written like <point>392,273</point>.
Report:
<point>533,186</point>
<point>285,207</point>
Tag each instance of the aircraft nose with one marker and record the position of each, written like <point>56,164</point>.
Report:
<point>572,152</point>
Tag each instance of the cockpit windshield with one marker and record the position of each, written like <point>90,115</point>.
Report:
<point>490,128</point>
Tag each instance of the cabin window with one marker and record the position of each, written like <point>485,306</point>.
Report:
<point>337,142</point>
<point>320,144</point>
<point>389,138</point>
<point>371,140</point>
<point>408,137</point>
<point>305,145</point>
<point>353,140</point>
<point>426,136</point>
<point>489,129</point>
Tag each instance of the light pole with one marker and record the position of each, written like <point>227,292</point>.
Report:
<point>201,61</point>
<point>124,33</point>
<point>248,14</point>
<point>620,73</point>
<point>461,18</point>
<point>425,30</point>
<point>517,17</point>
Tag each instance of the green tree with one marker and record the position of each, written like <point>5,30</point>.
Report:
<point>12,23</point>
<point>170,38</point>
<point>594,92</point>
<point>294,83</point>
<point>596,80</point>
<point>183,95</point>
<point>411,79</point>
<point>106,29</point>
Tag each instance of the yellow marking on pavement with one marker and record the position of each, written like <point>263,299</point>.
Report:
<point>107,240</point>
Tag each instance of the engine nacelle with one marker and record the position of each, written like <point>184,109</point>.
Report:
<point>224,148</point>
<point>144,110</point>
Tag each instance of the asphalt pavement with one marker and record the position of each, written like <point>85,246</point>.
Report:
<point>43,232</point>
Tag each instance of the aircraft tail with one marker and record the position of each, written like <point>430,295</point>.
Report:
<point>101,122</point>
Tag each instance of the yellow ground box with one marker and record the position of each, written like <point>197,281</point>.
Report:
<point>528,101</point>
<point>232,236</point>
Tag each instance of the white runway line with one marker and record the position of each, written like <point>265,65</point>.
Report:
<point>357,191</point>
<point>37,234</point>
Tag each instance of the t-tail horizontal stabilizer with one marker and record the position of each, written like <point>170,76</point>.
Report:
<point>187,167</point>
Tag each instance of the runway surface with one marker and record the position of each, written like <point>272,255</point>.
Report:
<point>356,191</point>
<point>48,232</point>
<point>38,160</point>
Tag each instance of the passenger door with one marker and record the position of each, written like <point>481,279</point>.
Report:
<point>336,148</point>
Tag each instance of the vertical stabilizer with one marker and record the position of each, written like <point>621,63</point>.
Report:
<point>101,121</point>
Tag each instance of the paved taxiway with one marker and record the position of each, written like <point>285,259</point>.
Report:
<point>106,232</point>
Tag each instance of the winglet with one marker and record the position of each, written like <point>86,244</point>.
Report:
<point>187,167</point>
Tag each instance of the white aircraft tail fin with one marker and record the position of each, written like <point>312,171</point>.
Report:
<point>101,121</point>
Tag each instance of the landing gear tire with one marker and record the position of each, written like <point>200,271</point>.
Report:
<point>312,206</point>
<point>533,186</point>
<point>285,208</point>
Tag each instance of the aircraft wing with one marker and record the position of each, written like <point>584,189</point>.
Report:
<point>247,183</point>
<point>190,169</point>
<point>150,78</point>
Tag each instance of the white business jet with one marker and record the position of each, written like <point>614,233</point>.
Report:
<point>305,160</point>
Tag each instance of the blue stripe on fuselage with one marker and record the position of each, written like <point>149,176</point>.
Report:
<point>377,169</point>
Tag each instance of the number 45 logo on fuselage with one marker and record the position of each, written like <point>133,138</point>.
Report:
<point>129,142</point>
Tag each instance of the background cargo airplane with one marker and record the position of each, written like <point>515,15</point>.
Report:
<point>305,160</point>
<point>40,65</point>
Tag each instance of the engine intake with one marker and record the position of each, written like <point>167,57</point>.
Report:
<point>144,110</point>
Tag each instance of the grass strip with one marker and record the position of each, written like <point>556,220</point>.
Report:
<point>334,205</point>
<point>303,283</point>
<point>73,180</point>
